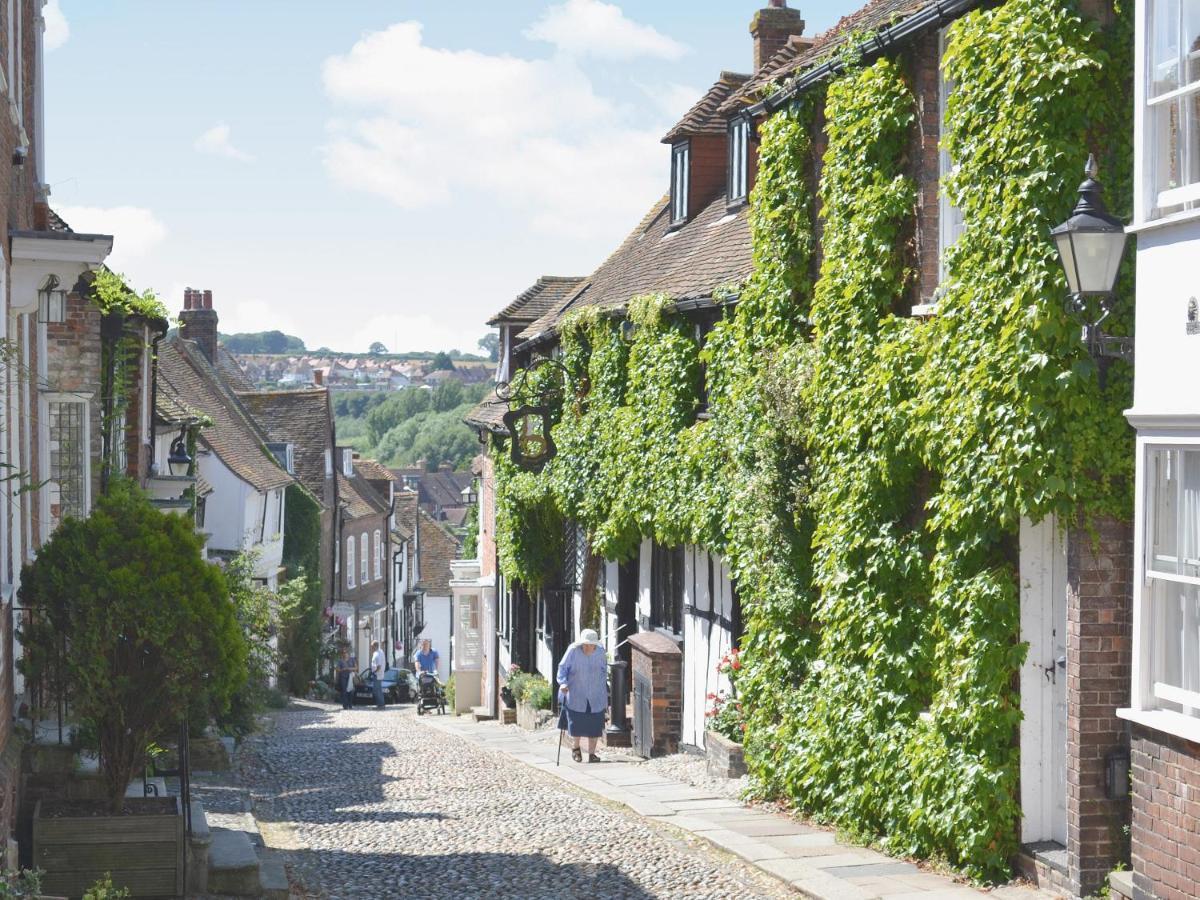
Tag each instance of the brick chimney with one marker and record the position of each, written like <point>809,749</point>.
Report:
<point>771,28</point>
<point>198,322</point>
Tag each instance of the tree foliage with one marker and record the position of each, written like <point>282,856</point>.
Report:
<point>132,624</point>
<point>262,342</point>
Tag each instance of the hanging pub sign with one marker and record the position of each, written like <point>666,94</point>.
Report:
<point>530,443</point>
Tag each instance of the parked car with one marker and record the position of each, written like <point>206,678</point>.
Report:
<point>399,686</point>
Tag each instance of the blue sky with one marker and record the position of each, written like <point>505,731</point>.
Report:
<point>394,171</point>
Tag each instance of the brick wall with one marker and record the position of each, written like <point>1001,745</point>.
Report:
<point>1165,833</point>
<point>659,662</point>
<point>709,162</point>
<point>1099,651</point>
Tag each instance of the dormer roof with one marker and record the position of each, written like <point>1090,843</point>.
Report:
<point>543,295</point>
<point>704,117</point>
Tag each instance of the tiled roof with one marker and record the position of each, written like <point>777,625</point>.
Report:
<point>691,263</point>
<point>231,370</point>
<point>456,517</point>
<point>233,436</point>
<point>704,117</point>
<point>303,419</point>
<point>406,512</point>
<point>170,408</point>
<point>54,222</point>
<point>442,489</point>
<point>797,55</point>
<point>358,499</point>
<point>546,293</point>
<point>438,548</point>
<point>488,414</point>
<point>373,470</point>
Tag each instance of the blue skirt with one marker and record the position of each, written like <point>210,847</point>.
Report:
<point>585,724</point>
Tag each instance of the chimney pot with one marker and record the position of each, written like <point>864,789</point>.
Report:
<point>198,322</point>
<point>208,299</point>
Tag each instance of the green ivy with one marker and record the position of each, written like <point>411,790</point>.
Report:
<point>864,473</point>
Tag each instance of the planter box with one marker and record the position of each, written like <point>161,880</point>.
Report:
<point>532,719</point>
<point>142,852</point>
<point>726,759</point>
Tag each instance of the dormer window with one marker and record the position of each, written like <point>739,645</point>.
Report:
<point>738,180</point>
<point>680,178</point>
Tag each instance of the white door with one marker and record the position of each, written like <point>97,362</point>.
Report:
<point>1044,682</point>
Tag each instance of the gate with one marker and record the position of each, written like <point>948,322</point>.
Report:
<point>643,722</point>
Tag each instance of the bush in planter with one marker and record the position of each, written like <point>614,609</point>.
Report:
<point>725,715</point>
<point>133,625</point>
<point>537,693</point>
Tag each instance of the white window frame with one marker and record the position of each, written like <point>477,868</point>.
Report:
<point>950,220</point>
<point>681,174</point>
<point>44,401</point>
<point>376,537</point>
<point>738,178</point>
<point>350,562</point>
<point>365,561</point>
<point>1146,707</point>
<point>1148,200</point>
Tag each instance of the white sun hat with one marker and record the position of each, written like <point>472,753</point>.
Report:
<point>589,636</point>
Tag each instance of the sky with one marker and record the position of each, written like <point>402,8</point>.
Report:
<point>382,170</point>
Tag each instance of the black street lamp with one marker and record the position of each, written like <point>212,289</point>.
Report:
<point>179,460</point>
<point>1091,245</point>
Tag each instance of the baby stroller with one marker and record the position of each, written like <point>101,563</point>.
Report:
<point>430,694</point>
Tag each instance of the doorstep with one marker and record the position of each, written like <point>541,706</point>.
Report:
<point>809,859</point>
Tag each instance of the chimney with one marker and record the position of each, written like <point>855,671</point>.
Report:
<point>771,28</point>
<point>198,322</point>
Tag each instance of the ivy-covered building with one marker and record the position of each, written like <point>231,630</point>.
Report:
<point>864,440</point>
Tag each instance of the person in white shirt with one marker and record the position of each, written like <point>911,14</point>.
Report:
<point>378,666</point>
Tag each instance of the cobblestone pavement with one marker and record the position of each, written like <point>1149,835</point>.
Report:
<point>377,805</point>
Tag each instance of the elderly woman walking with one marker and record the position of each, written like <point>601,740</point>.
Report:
<point>583,689</point>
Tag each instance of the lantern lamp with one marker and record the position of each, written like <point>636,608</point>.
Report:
<point>52,301</point>
<point>179,460</point>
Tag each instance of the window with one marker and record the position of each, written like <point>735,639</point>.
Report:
<point>1170,622</point>
<point>680,178</point>
<point>350,561</point>
<point>738,177</point>
<point>67,444</point>
<point>702,327</point>
<point>378,556</point>
<point>666,587</point>
<point>950,218</point>
<point>365,561</point>
<point>1171,127</point>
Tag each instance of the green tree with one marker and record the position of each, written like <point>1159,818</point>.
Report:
<point>300,613</point>
<point>441,362</point>
<point>491,343</point>
<point>131,623</point>
<point>447,396</point>
<point>377,349</point>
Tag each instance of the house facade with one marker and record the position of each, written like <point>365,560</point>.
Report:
<point>1163,710</point>
<point>362,576</point>
<point>777,436</point>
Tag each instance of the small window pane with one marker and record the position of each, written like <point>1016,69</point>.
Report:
<point>68,458</point>
<point>1173,478</point>
<point>1164,47</point>
<point>1173,132</point>
<point>1175,645</point>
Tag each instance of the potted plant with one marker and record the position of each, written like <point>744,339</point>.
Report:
<point>726,723</point>
<point>532,694</point>
<point>132,624</point>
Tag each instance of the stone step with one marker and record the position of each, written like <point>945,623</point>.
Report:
<point>273,879</point>
<point>233,868</point>
<point>481,714</point>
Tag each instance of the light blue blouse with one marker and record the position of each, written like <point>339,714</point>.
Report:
<point>586,678</point>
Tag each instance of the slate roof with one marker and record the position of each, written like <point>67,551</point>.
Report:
<point>711,251</point>
<point>55,222</point>
<point>705,117</point>
<point>303,419</point>
<point>438,548</point>
<point>489,414</point>
<point>373,470</point>
<point>796,56</point>
<point>233,436</point>
<point>231,370</point>
<point>543,295</point>
<point>406,513</point>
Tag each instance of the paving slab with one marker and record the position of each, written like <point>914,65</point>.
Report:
<point>709,803</point>
<point>789,869</point>
<point>851,857</point>
<point>874,870</point>
<point>772,828</point>
<point>824,887</point>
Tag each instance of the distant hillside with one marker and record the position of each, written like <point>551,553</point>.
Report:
<point>262,342</point>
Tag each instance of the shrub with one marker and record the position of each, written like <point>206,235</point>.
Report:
<point>132,624</point>
<point>450,692</point>
<point>537,693</point>
<point>24,883</point>
<point>105,890</point>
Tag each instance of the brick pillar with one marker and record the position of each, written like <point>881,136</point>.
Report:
<point>659,662</point>
<point>1165,834</point>
<point>1099,648</point>
<point>771,28</point>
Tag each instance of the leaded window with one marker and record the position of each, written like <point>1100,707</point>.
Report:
<point>67,428</point>
<point>666,587</point>
<point>738,179</point>
<point>680,180</point>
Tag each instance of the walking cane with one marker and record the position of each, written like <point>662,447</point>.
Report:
<point>562,729</point>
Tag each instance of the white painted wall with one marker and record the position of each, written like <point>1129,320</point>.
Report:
<point>234,517</point>
<point>437,629</point>
<point>705,641</point>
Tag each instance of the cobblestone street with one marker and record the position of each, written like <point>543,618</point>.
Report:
<point>367,804</point>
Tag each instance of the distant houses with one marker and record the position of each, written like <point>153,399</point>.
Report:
<point>361,373</point>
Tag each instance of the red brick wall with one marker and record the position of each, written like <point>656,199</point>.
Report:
<point>1099,655</point>
<point>658,660</point>
<point>709,161</point>
<point>1165,834</point>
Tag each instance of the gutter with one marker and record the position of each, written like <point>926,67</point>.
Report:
<point>937,15</point>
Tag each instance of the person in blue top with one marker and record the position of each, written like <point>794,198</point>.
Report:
<point>583,691</point>
<point>426,658</point>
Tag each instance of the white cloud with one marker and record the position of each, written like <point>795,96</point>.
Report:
<point>672,99</point>
<point>57,27</point>
<point>405,332</point>
<point>461,127</point>
<point>216,142</point>
<point>136,231</point>
<point>592,28</point>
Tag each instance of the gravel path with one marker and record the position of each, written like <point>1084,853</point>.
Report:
<point>378,805</point>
